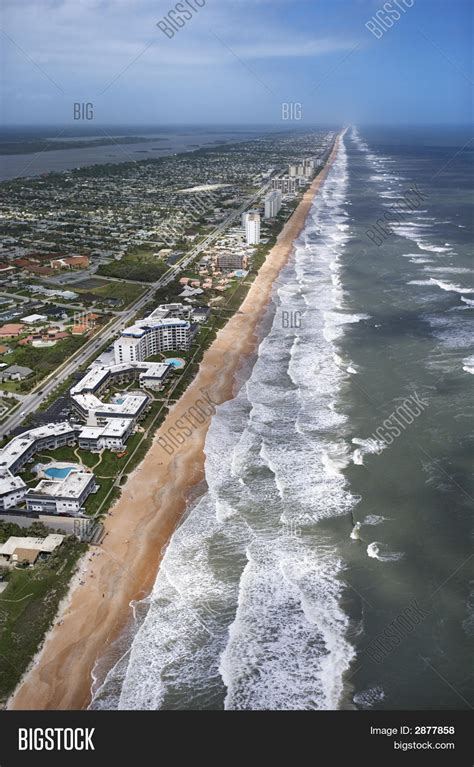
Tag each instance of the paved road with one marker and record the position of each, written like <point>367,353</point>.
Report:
<point>31,402</point>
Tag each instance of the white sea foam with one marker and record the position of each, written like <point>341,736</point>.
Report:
<point>450,287</point>
<point>374,519</point>
<point>369,698</point>
<point>380,551</point>
<point>450,270</point>
<point>368,446</point>
<point>468,365</point>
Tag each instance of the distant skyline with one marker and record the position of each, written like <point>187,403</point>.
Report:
<point>245,62</point>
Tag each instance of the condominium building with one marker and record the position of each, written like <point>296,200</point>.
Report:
<point>227,262</point>
<point>285,185</point>
<point>21,449</point>
<point>303,169</point>
<point>165,329</point>
<point>308,167</point>
<point>111,435</point>
<point>252,228</point>
<point>85,395</point>
<point>12,489</point>
<point>125,405</point>
<point>295,170</point>
<point>59,496</point>
<point>245,215</point>
<point>272,203</point>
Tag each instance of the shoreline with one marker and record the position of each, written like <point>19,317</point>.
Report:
<point>153,501</point>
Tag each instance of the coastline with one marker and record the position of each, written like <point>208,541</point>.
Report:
<point>152,503</point>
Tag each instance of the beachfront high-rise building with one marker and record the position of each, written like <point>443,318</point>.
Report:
<point>294,171</point>
<point>245,215</point>
<point>272,203</point>
<point>285,184</point>
<point>252,228</point>
<point>308,167</point>
<point>303,169</point>
<point>166,329</point>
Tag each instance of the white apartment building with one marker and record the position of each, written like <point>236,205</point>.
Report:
<point>272,203</point>
<point>111,435</point>
<point>167,329</point>
<point>252,228</point>
<point>85,395</point>
<point>59,496</point>
<point>285,184</point>
<point>245,215</point>
<point>295,170</point>
<point>12,490</point>
<point>21,449</point>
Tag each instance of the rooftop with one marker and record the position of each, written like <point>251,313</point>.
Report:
<point>21,444</point>
<point>98,375</point>
<point>47,544</point>
<point>115,427</point>
<point>70,487</point>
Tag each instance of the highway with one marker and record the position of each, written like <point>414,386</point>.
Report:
<point>43,390</point>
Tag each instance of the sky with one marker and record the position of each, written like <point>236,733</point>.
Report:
<point>237,62</point>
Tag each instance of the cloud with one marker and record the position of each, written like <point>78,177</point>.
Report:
<point>293,48</point>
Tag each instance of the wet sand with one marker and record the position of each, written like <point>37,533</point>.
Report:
<point>152,503</point>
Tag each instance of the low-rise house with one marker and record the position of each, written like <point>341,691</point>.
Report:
<point>20,549</point>
<point>34,319</point>
<point>70,262</point>
<point>11,330</point>
<point>79,330</point>
<point>15,373</point>
<point>200,313</point>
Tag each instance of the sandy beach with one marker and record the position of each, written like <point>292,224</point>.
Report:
<point>124,567</point>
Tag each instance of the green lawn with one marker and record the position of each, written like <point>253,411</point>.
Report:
<point>67,454</point>
<point>95,500</point>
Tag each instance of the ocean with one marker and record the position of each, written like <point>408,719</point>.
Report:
<point>327,561</point>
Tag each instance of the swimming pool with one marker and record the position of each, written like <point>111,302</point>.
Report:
<point>56,473</point>
<point>177,362</point>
